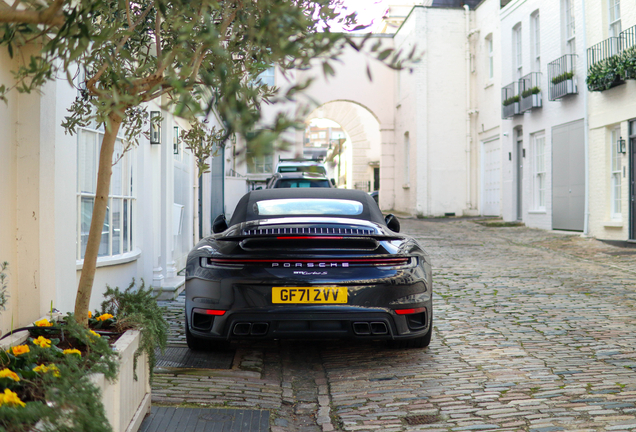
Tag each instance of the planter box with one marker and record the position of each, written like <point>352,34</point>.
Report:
<point>510,110</point>
<point>530,102</point>
<point>125,400</point>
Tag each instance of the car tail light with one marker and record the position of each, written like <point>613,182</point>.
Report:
<point>311,262</point>
<point>215,312</point>
<point>409,311</point>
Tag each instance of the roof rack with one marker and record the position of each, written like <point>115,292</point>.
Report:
<point>299,159</point>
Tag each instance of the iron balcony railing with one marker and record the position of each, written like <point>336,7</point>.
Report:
<point>530,92</point>
<point>510,100</point>
<point>628,50</point>
<point>600,57</point>
<point>562,77</point>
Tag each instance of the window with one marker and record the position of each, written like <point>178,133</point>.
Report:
<point>517,53</point>
<point>570,40</point>
<point>407,159</point>
<point>536,42</point>
<point>117,231</point>
<point>490,60</point>
<point>260,158</point>
<point>268,77</point>
<point>614,18</point>
<point>308,206</point>
<point>615,158</point>
<point>539,168</point>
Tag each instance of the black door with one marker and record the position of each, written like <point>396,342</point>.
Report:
<point>632,180</point>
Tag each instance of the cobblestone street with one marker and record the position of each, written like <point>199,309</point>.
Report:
<point>534,331</point>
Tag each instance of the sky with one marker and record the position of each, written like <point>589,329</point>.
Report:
<point>368,11</point>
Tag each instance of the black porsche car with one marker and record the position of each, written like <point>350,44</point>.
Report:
<point>308,263</point>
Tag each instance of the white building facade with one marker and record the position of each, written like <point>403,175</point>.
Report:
<point>611,39</point>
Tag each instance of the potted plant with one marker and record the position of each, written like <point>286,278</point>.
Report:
<point>535,94</point>
<point>605,74</point>
<point>64,376</point>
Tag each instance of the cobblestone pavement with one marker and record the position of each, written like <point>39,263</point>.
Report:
<point>534,331</point>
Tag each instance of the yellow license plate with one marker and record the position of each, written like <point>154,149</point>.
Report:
<point>309,295</point>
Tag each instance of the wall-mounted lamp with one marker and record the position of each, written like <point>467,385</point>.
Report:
<point>175,140</point>
<point>155,127</point>
<point>620,145</point>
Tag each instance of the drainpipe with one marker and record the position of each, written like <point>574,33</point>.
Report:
<point>586,127</point>
<point>469,205</point>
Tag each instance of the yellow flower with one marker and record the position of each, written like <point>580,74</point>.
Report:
<point>43,323</point>
<point>6,373</point>
<point>94,334</point>
<point>43,342</point>
<point>20,349</point>
<point>10,398</point>
<point>90,315</point>
<point>104,317</point>
<point>45,369</point>
<point>72,351</point>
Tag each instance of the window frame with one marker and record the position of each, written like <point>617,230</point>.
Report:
<point>614,18</point>
<point>125,200</point>
<point>536,40</point>
<point>517,50</point>
<point>616,207</point>
<point>539,171</point>
<point>570,27</point>
<point>490,59</point>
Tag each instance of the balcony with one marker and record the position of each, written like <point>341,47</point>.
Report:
<point>562,77</point>
<point>530,92</point>
<point>604,65</point>
<point>510,100</point>
<point>628,52</point>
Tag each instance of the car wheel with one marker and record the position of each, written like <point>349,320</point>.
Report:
<point>195,343</point>
<point>420,342</point>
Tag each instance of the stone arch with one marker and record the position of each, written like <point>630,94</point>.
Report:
<point>364,130</point>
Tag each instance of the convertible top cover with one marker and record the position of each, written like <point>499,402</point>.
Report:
<point>272,203</point>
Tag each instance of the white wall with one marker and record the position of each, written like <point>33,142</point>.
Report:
<point>608,109</point>
<point>553,113</point>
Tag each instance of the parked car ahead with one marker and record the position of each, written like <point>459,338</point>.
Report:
<point>298,180</point>
<point>305,264</point>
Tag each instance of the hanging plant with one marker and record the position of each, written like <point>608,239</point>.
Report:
<point>511,100</point>
<point>529,92</point>
<point>562,77</point>
<point>605,74</point>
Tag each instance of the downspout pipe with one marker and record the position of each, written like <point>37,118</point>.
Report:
<point>469,111</point>
<point>586,129</point>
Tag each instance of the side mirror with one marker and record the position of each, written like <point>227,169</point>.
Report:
<point>258,188</point>
<point>219,225</point>
<point>333,182</point>
<point>392,222</point>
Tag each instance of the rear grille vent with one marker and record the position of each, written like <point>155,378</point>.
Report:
<point>311,231</point>
<point>309,244</point>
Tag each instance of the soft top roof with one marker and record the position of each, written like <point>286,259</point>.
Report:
<point>245,207</point>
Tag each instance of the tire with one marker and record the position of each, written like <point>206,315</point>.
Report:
<point>198,344</point>
<point>195,343</point>
<point>420,342</point>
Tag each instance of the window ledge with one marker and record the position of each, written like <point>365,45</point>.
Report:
<point>613,224</point>
<point>113,260</point>
<point>537,212</point>
<point>489,84</point>
<point>406,186</point>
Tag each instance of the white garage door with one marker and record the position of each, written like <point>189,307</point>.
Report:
<point>491,178</point>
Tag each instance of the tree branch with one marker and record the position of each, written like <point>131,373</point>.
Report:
<point>90,84</point>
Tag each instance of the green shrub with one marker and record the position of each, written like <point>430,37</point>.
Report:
<point>137,308</point>
<point>530,92</point>
<point>563,77</point>
<point>604,74</point>
<point>511,100</point>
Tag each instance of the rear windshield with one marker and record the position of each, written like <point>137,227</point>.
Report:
<point>310,206</point>
<point>303,168</point>
<point>301,183</point>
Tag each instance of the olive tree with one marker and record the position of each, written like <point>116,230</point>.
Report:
<point>194,56</point>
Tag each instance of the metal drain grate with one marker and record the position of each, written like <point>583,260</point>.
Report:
<point>178,357</point>
<point>421,419</point>
<point>168,419</point>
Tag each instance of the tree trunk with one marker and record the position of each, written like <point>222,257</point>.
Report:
<point>100,206</point>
